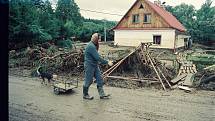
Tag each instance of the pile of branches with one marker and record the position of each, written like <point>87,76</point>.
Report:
<point>52,59</point>
<point>63,62</point>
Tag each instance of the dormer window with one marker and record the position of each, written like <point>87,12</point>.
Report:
<point>135,18</point>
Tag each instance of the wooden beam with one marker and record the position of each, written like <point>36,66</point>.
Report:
<point>161,72</point>
<point>132,78</point>
<point>189,80</point>
<point>156,71</point>
<point>164,77</point>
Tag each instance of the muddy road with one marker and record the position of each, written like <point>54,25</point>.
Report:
<point>31,101</point>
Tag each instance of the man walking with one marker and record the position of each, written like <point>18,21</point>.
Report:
<point>91,61</point>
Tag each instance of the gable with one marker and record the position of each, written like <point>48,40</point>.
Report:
<point>159,18</point>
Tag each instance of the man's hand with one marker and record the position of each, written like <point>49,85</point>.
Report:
<point>110,63</point>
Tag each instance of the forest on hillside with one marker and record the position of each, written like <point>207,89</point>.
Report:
<point>35,22</point>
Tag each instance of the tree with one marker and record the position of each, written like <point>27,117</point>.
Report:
<point>23,22</point>
<point>91,26</point>
<point>67,12</point>
<point>200,24</point>
<point>185,14</point>
<point>88,29</point>
<point>34,21</point>
<point>70,28</point>
<point>48,21</point>
<point>206,22</point>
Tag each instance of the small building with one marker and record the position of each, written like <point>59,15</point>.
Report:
<point>150,22</point>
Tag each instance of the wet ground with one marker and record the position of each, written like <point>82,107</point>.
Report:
<point>31,101</point>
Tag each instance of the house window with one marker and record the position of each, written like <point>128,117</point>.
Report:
<point>135,18</point>
<point>157,39</point>
<point>147,18</point>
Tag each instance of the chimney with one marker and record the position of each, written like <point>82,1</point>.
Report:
<point>157,2</point>
<point>163,6</point>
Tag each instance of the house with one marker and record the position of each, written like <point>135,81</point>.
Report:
<point>150,22</point>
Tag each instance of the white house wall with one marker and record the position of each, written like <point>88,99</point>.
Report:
<point>180,40</point>
<point>135,37</point>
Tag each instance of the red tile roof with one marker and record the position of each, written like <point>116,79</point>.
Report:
<point>168,17</point>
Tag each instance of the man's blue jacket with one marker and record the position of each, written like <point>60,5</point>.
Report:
<point>91,56</point>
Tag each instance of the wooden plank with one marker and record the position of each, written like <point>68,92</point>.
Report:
<point>164,77</point>
<point>189,80</point>
<point>178,78</point>
<point>179,72</point>
<point>212,66</point>
<point>161,73</point>
<point>185,88</point>
<point>195,71</point>
<point>156,71</point>
<point>184,71</point>
<point>191,70</point>
<point>188,70</point>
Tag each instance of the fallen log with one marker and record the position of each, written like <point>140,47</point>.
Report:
<point>133,78</point>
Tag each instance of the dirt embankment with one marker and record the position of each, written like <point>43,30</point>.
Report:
<point>29,100</point>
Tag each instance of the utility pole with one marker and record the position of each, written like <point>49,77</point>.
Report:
<point>105,34</point>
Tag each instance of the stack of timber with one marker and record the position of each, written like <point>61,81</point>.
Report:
<point>154,70</point>
<point>186,73</point>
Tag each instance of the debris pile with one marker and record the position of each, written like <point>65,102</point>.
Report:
<point>138,67</point>
<point>51,59</point>
<point>188,77</point>
<point>185,76</point>
<point>205,79</point>
<point>66,61</point>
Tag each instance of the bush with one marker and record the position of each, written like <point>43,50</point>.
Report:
<point>65,43</point>
<point>52,49</point>
<point>44,37</point>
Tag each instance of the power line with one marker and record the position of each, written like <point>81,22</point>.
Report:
<point>95,11</point>
<point>101,12</point>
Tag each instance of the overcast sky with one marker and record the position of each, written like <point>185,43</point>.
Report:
<point>121,7</point>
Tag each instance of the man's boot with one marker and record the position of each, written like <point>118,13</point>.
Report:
<point>102,94</point>
<point>85,93</point>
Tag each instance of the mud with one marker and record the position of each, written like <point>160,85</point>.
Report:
<point>31,101</point>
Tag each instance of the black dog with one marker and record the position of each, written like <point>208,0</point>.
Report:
<point>45,75</point>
